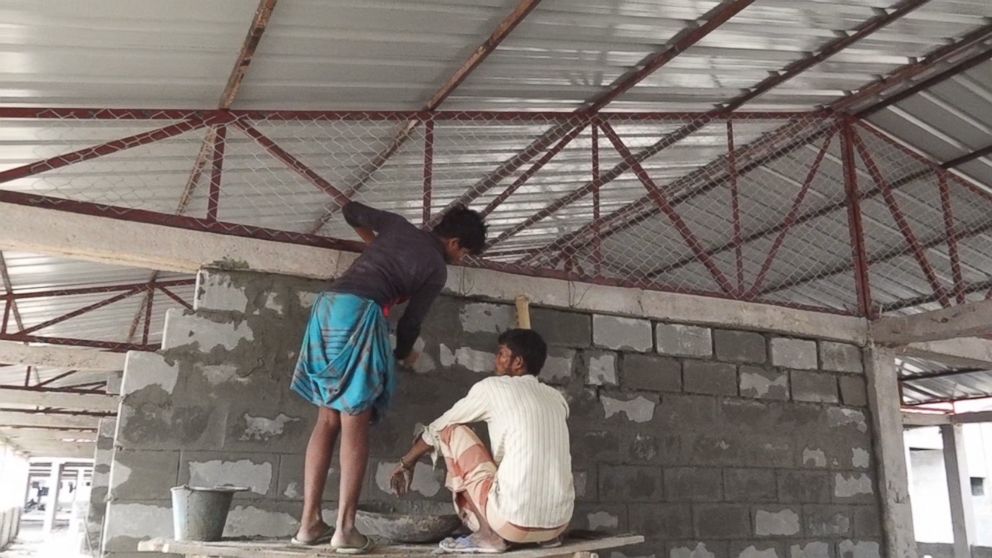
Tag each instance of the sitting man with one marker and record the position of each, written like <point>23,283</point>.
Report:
<point>522,492</point>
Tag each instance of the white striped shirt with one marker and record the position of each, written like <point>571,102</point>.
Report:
<point>529,435</point>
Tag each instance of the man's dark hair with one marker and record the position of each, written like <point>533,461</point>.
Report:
<point>528,345</point>
<point>466,225</point>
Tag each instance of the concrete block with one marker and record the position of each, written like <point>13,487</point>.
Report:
<point>262,519</point>
<point>185,330</point>
<point>712,378</point>
<point>858,549</point>
<point>143,475</point>
<point>598,446</point>
<point>867,521</point>
<point>686,413</point>
<point>128,523</point>
<point>601,368</point>
<point>764,450</point>
<point>624,483</point>
<point>618,333</point>
<point>826,521</point>
<point>811,549</point>
<point>853,487</point>
<point>721,521</point>
<point>633,408</point>
<point>813,457</point>
<point>662,449</point>
<point>804,486</point>
<point>487,318</point>
<point>749,485</point>
<point>143,369</point>
<point>815,387</point>
<point>257,472</point>
<point>753,415</point>
<point>115,381</point>
<point>290,479</point>
<point>840,357</point>
<point>215,290</point>
<point>558,328</point>
<point>799,354</point>
<point>756,549</point>
<point>739,346</point>
<point>584,484</point>
<point>693,484</point>
<point>163,424</point>
<point>651,373</point>
<point>763,383</point>
<point>558,366</point>
<point>609,518</point>
<point>696,549</point>
<point>661,520</point>
<point>684,340</point>
<point>853,391</point>
<point>467,358</point>
<point>249,430</point>
<point>776,522</point>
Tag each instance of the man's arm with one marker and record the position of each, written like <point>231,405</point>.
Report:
<point>408,329</point>
<point>368,221</point>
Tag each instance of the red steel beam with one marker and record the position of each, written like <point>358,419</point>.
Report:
<point>57,378</point>
<point>213,199</point>
<point>505,27</point>
<point>107,148</point>
<point>538,165</point>
<point>735,206</point>
<point>855,227</point>
<point>952,241</point>
<point>428,172</point>
<point>293,163</point>
<point>97,290</point>
<point>174,297</point>
<point>10,307</point>
<point>177,221</point>
<point>901,221</point>
<point>977,154</point>
<point>79,312</point>
<point>258,24</point>
<point>789,221</point>
<point>597,253</point>
<point>112,346</point>
<point>686,38</point>
<point>666,207</point>
<point>793,128</point>
<point>148,314</point>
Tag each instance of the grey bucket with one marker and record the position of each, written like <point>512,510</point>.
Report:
<point>199,513</point>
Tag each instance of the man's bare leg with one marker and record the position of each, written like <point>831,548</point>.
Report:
<point>320,449</point>
<point>354,458</point>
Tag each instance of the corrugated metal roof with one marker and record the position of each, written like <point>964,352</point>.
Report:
<point>392,54</point>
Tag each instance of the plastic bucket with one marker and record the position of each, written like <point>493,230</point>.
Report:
<point>200,513</point>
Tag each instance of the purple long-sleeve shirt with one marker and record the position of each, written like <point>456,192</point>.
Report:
<point>403,262</point>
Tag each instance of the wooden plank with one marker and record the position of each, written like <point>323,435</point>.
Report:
<point>963,320</point>
<point>76,358</point>
<point>282,549</point>
<point>65,400</point>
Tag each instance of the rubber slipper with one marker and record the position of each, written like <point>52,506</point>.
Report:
<point>323,538</point>
<point>553,543</point>
<point>465,545</point>
<point>352,550</point>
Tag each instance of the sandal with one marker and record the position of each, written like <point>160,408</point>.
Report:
<point>466,545</point>
<point>353,550</point>
<point>324,537</point>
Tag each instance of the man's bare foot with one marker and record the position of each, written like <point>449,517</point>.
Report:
<point>348,538</point>
<point>314,533</point>
<point>488,540</point>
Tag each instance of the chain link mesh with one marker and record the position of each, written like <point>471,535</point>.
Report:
<point>657,201</point>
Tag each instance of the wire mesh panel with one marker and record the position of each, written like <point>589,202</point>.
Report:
<point>750,206</point>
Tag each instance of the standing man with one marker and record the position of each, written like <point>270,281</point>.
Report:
<point>347,366</point>
<point>522,492</point>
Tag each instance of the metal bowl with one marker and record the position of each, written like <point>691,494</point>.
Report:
<point>418,522</point>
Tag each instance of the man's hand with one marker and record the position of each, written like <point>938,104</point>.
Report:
<point>400,480</point>
<point>411,359</point>
<point>368,235</point>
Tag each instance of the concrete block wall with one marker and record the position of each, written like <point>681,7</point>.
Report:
<point>101,483</point>
<point>711,442</point>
